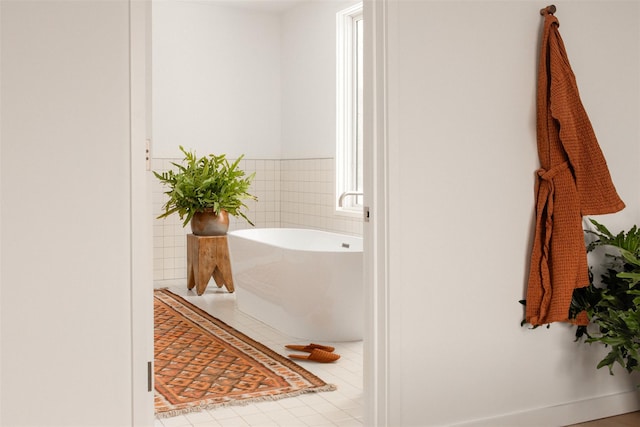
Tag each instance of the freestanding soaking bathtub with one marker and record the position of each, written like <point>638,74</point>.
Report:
<point>305,283</point>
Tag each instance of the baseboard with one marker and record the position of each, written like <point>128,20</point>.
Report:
<point>564,414</point>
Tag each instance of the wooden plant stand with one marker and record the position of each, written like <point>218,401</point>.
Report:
<point>208,256</point>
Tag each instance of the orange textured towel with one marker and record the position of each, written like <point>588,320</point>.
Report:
<point>573,181</point>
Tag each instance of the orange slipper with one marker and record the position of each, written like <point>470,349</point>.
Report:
<point>317,356</point>
<point>310,347</point>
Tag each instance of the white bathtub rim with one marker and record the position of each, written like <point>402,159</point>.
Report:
<point>355,243</point>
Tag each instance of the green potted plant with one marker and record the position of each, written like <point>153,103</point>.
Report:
<point>613,306</point>
<point>204,191</point>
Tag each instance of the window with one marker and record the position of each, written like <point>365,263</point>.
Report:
<point>349,163</point>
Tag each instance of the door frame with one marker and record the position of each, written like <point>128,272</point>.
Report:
<point>141,244</point>
<point>376,363</point>
<point>376,266</point>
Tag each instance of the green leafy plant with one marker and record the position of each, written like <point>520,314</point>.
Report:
<point>612,308</point>
<point>209,182</point>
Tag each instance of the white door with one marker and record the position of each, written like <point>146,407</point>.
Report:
<point>75,266</point>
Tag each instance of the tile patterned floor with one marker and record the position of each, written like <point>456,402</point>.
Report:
<point>343,407</point>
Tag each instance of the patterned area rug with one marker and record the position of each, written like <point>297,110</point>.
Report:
<point>203,363</point>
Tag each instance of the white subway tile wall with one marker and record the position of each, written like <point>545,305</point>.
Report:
<point>291,193</point>
<point>307,197</point>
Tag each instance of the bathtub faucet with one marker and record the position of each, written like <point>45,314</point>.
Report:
<point>348,193</point>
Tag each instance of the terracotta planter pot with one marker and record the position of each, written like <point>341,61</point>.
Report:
<point>207,223</point>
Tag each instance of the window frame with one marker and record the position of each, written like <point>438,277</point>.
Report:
<point>348,128</point>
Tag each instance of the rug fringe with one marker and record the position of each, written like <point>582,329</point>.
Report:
<point>210,406</point>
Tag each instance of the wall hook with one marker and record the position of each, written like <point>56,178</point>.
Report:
<point>550,10</point>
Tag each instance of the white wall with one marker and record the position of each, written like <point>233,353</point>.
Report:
<point>216,80</point>
<point>235,80</point>
<point>65,214</point>
<point>309,79</point>
<point>461,175</point>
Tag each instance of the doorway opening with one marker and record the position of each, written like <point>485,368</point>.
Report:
<point>292,156</point>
